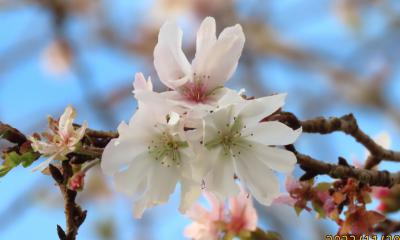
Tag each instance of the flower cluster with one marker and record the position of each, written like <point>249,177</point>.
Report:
<point>343,201</point>
<point>62,139</point>
<point>240,219</point>
<point>198,133</point>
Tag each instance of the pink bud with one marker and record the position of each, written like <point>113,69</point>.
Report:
<point>382,207</point>
<point>380,192</point>
<point>76,182</point>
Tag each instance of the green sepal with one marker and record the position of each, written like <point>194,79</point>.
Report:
<point>323,186</point>
<point>298,210</point>
<point>319,209</point>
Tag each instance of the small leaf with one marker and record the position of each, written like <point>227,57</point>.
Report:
<point>259,234</point>
<point>13,159</point>
<point>61,233</point>
<point>28,158</point>
<point>272,236</point>
<point>4,170</point>
<point>323,186</point>
<point>56,174</point>
<point>343,162</point>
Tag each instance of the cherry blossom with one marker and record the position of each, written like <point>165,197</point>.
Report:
<point>215,61</point>
<point>236,143</point>
<point>243,215</point>
<point>207,225</point>
<point>240,218</point>
<point>149,158</point>
<point>62,139</point>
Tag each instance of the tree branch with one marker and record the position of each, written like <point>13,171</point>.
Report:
<point>74,215</point>
<point>11,134</point>
<point>314,167</point>
<point>388,227</point>
<point>348,124</point>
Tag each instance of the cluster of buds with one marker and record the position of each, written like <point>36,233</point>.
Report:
<point>343,201</point>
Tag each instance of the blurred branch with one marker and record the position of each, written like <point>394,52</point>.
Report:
<point>74,214</point>
<point>19,51</point>
<point>11,134</point>
<point>314,167</point>
<point>348,124</point>
<point>388,227</point>
<point>264,41</point>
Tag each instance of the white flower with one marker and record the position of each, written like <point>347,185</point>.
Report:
<point>192,112</point>
<point>140,83</point>
<point>62,139</point>
<point>237,143</point>
<point>198,87</point>
<point>149,158</point>
<point>214,63</point>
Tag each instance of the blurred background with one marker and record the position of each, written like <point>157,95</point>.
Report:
<point>332,57</point>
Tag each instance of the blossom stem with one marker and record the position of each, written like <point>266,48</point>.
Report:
<point>346,124</point>
<point>371,177</point>
<point>74,214</point>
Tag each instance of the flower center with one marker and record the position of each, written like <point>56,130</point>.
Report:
<point>196,90</point>
<point>166,149</point>
<point>229,137</point>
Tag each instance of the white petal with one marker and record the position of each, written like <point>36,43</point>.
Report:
<point>257,177</point>
<point>228,96</point>
<point>120,152</point>
<point>78,134</point>
<point>271,133</point>
<point>252,111</point>
<point>156,105</point>
<point>65,127</point>
<point>220,119</point>
<point>169,60</point>
<point>161,185</point>
<point>278,159</point>
<point>190,192</point>
<point>220,179</point>
<point>140,83</point>
<point>43,165</point>
<point>206,38</point>
<point>221,60</point>
<point>129,180</point>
